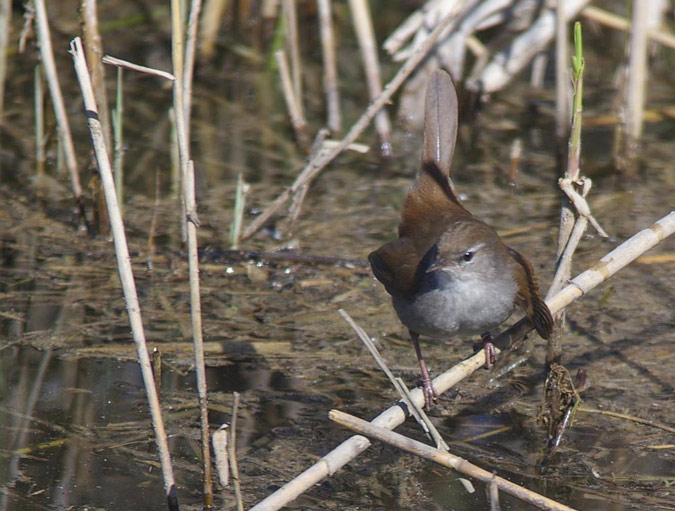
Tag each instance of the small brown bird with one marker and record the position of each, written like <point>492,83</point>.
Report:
<point>448,273</point>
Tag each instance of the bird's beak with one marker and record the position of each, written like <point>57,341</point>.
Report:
<point>436,265</point>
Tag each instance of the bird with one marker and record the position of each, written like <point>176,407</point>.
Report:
<point>448,273</point>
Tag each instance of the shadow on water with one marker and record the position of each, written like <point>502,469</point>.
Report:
<point>75,431</point>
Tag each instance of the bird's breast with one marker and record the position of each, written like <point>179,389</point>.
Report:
<point>443,307</point>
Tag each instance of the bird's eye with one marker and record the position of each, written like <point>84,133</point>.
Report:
<point>467,256</point>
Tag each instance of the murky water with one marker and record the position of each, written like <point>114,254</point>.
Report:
<point>76,432</point>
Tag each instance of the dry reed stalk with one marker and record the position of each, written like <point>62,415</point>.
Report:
<point>317,164</point>
<point>232,453</point>
<point>93,45</point>
<point>125,270</point>
<point>637,77</point>
<point>114,61</point>
<point>5,30</point>
<point>49,67</point>
<point>617,259</point>
<point>330,82</point>
<point>190,51</point>
<point>444,458</point>
<point>417,412</point>
<point>118,137</point>
<point>290,13</point>
<point>39,122</point>
<point>214,10</point>
<point>191,223</point>
<point>363,25</point>
<point>151,248</point>
<point>238,216</point>
<point>617,22</point>
<point>220,449</point>
<point>292,101</point>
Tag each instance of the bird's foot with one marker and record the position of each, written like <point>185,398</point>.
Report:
<point>430,396</point>
<point>490,350</point>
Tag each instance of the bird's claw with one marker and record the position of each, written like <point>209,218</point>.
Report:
<point>430,395</point>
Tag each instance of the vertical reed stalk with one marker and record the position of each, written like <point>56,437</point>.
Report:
<point>188,181</point>
<point>293,103</point>
<point>330,81</point>
<point>190,51</point>
<point>291,16</point>
<point>237,220</point>
<point>363,26</point>
<point>118,138</point>
<point>39,122</point>
<point>637,76</point>
<point>49,67</point>
<point>5,29</point>
<point>93,45</point>
<point>569,226</point>
<point>125,270</point>
<point>214,10</point>
<point>232,453</point>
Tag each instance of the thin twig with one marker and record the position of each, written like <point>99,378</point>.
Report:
<point>232,453</point>
<point>394,416</point>
<point>192,222</point>
<point>330,82</point>
<point>125,271</point>
<point>317,164</point>
<point>114,61</point>
<point>363,25</point>
<point>416,411</point>
<point>443,458</point>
